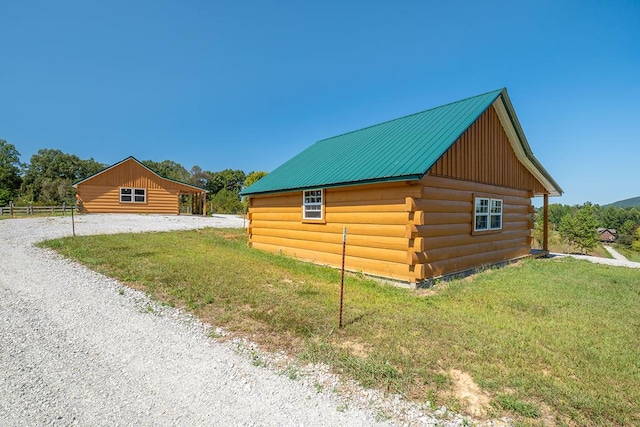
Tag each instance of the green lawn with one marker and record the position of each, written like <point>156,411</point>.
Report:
<point>631,255</point>
<point>547,340</point>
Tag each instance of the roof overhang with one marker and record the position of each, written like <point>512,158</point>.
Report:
<point>405,178</point>
<point>518,141</point>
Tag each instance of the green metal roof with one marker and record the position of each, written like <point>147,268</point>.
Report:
<point>397,150</point>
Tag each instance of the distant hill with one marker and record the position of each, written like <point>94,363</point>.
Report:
<point>627,203</point>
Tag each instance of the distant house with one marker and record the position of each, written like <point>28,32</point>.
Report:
<point>131,187</point>
<point>433,193</point>
<point>607,235</point>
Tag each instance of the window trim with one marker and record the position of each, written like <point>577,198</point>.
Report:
<point>133,194</point>
<point>491,204</point>
<point>305,218</point>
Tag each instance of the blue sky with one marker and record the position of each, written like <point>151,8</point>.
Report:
<point>248,84</point>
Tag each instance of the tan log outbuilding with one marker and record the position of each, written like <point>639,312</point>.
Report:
<point>434,193</point>
<point>131,187</point>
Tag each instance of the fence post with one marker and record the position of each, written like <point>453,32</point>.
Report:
<point>344,247</point>
<point>11,208</point>
<point>30,210</point>
<point>73,221</point>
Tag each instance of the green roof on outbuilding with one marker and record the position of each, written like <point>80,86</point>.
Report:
<point>397,150</point>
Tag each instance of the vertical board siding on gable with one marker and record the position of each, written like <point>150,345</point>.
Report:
<point>449,243</point>
<point>130,174</point>
<point>483,154</point>
<point>376,217</point>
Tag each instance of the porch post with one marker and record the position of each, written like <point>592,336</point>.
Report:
<point>204,204</point>
<point>545,233</point>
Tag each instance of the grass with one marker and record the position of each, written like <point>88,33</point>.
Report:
<point>517,406</point>
<point>600,251</point>
<point>630,254</point>
<point>546,339</point>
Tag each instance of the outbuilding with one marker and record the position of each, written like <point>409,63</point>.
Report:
<point>131,187</point>
<point>434,193</point>
<point>607,235</point>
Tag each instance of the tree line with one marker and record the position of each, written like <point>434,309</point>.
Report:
<point>578,224</point>
<point>47,178</point>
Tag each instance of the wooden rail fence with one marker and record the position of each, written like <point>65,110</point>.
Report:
<point>33,210</point>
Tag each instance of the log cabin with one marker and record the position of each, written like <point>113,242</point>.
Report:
<point>434,193</point>
<point>131,187</point>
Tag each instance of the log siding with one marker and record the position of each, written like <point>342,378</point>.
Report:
<point>415,230</point>
<point>377,240</point>
<point>423,236</point>
<point>106,199</point>
<point>451,245</point>
<point>101,193</point>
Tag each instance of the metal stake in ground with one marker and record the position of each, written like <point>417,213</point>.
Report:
<point>344,247</point>
<point>73,221</point>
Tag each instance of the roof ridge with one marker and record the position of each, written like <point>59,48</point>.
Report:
<point>162,176</point>
<point>383,152</point>
<point>141,164</point>
<point>413,114</point>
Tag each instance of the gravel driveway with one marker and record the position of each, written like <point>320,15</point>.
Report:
<point>78,348</point>
<point>618,261</point>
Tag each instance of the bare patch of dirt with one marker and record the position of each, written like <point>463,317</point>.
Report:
<point>356,348</point>
<point>230,236</point>
<point>432,290</point>
<point>472,399</point>
<point>426,292</point>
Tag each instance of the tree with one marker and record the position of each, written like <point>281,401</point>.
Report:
<point>556,213</point>
<point>199,178</point>
<point>635,245</point>
<point>169,169</point>
<point>229,179</point>
<point>634,215</point>
<point>626,232</point>
<point>586,228</point>
<point>253,177</point>
<point>580,229</point>
<point>10,170</point>
<point>609,217</point>
<point>50,173</point>
<point>226,202</point>
<point>566,228</point>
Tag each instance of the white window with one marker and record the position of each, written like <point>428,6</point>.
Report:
<point>488,214</point>
<point>495,217</point>
<point>133,195</point>
<point>312,204</point>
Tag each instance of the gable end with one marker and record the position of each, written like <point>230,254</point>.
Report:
<point>484,154</point>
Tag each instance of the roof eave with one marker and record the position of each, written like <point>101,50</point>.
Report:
<point>414,177</point>
<point>521,146</point>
